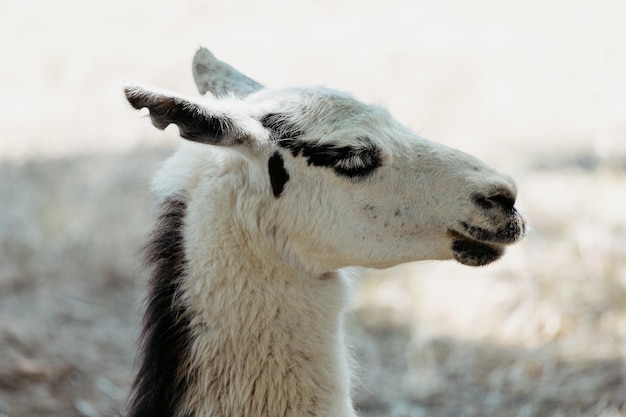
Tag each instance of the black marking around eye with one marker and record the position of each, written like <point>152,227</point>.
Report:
<point>348,161</point>
<point>278,174</point>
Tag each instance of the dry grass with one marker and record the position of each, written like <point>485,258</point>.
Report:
<point>535,88</point>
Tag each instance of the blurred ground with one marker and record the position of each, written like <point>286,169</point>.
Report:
<point>534,88</point>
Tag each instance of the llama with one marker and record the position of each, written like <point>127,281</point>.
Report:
<point>272,197</point>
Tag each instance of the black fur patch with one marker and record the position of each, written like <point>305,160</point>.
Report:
<point>194,122</point>
<point>347,161</point>
<point>278,174</point>
<point>160,385</point>
<point>470,252</point>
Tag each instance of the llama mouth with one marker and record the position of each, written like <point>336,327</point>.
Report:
<point>472,252</point>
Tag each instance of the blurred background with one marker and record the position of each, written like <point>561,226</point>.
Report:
<point>534,88</point>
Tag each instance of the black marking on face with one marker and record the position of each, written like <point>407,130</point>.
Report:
<point>347,161</point>
<point>473,253</point>
<point>160,384</point>
<point>278,174</point>
<point>194,121</point>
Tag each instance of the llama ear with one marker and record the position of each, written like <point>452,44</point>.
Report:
<point>219,78</point>
<point>195,122</point>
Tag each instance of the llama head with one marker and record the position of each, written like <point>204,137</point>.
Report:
<point>338,182</point>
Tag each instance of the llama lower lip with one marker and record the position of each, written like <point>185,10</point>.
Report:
<point>472,252</point>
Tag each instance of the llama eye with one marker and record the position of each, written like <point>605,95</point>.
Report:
<point>359,164</point>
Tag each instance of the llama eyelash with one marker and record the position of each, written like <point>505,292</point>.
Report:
<point>348,161</point>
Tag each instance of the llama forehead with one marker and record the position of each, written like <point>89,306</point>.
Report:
<point>332,118</point>
<point>332,129</point>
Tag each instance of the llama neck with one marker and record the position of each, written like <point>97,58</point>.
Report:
<point>246,336</point>
<point>264,344</point>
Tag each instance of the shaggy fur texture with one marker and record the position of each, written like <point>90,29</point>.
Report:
<point>166,337</point>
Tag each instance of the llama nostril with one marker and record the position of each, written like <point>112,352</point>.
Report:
<point>505,200</point>
<point>502,199</point>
